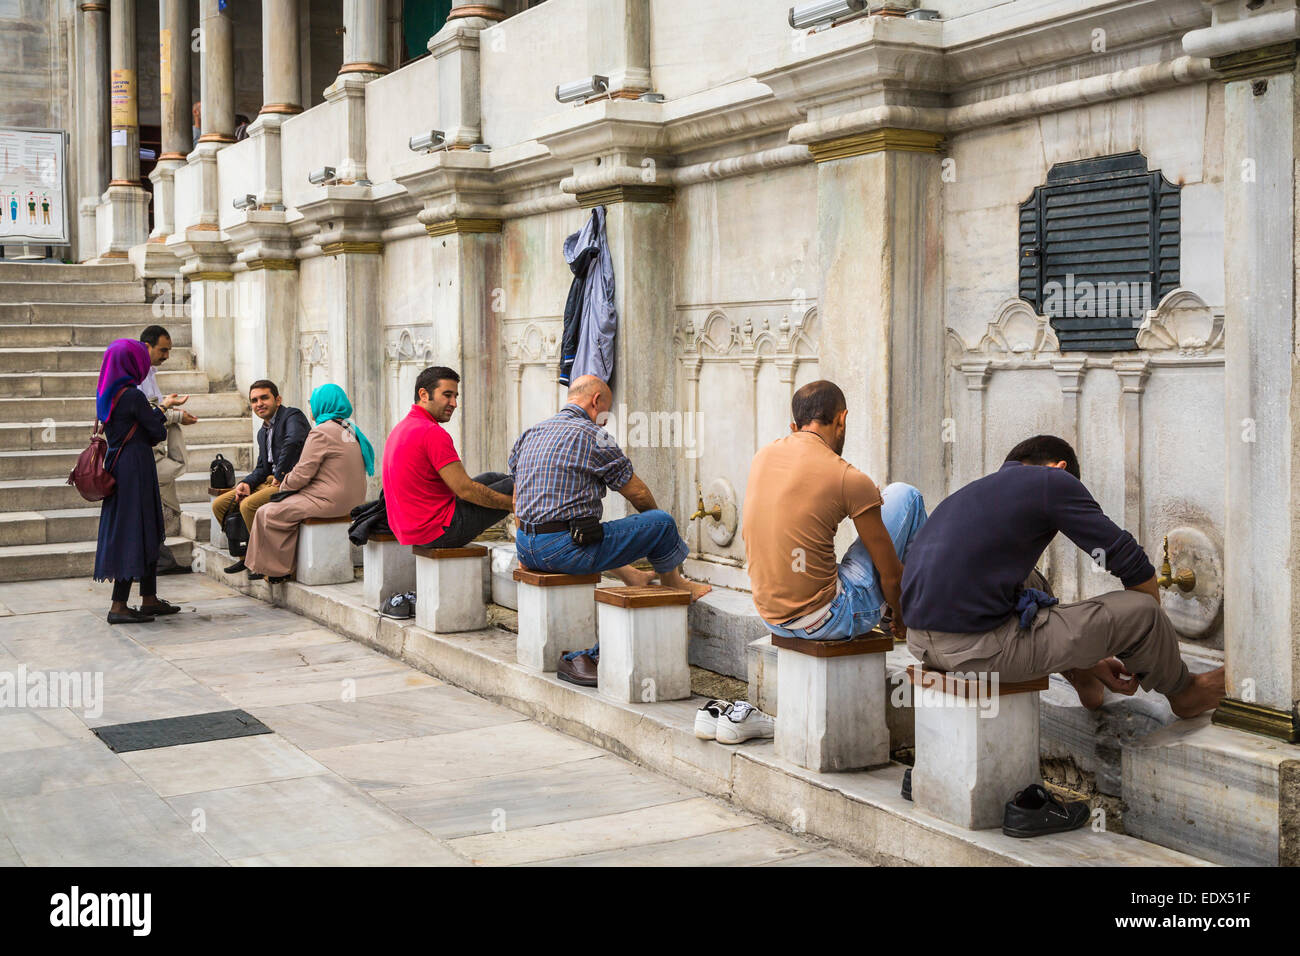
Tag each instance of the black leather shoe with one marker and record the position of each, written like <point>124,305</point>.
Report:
<point>1035,812</point>
<point>579,669</point>
<point>907,784</point>
<point>160,608</point>
<point>237,567</point>
<point>129,616</point>
<point>254,576</point>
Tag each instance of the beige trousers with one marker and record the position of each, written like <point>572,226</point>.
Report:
<point>1124,624</point>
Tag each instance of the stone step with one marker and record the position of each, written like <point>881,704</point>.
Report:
<point>40,436</point>
<point>61,272</point>
<point>78,359</point>
<point>94,313</point>
<point>54,494</point>
<point>131,290</point>
<point>35,562</point>
<point>37,410</point>
<point>196,520</point>
<point>78,384</point>
<point>64,334</point>
<point>58,462</point>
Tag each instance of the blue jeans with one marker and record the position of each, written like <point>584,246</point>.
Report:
<point>861,601</point>
<point>651,534</point>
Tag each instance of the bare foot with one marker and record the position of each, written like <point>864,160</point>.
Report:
<point>675,579</point>
<point>698,589</point>
<point>633,577</point>
<point>1092,693</point>
<point>1202,694</point>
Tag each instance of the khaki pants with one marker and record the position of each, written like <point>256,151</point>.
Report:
<point>1124,624</point>
<point>171,457</point>
<point>248,507</point>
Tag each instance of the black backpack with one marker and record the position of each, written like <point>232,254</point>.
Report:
<point>236,531</point>
<point>221,474</point>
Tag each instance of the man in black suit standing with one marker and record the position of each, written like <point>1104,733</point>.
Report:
<point>279,444</point>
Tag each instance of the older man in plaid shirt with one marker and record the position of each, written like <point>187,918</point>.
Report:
<point>562,467</point>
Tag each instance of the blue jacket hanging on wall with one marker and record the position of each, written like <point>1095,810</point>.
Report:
<point>590,320</point>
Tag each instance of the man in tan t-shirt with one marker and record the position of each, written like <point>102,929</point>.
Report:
<point>799,491</point>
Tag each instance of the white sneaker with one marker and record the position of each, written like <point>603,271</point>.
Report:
<point>743,721</point>
<point>706,718</point>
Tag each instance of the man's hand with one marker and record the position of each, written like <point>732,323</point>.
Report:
<point>274,481</point>
<point>242,491</point>
<point>1112,673</point>
<point>188,419</point>
<point>173,400</point>
<point>899,629</point>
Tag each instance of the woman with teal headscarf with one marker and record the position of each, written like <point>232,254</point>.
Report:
<point>328,482</point>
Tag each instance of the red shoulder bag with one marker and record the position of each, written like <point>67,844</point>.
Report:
<point>95,482</point>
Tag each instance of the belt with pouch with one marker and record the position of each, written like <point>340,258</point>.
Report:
<point>546,527</point>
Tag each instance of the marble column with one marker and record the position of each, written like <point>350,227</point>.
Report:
<point>1262,392</point>
<point>881,303</point>
<point>365,41</point>
<point>155,259</point>
<point>217,74</point>
<point>488,10</point>
<point>93,134</point>
<point>281,92</point>
<point>123,215</point>
<point>618,44</point>
<point>281,95</point>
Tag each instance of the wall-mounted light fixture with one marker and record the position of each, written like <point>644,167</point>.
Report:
<point>582,89</point>
<point>823,12</point>
<point>480,148</point>
<point>427,142</point>
<point>322,177</point>
<point>651,97</point>
<point>246,202</point>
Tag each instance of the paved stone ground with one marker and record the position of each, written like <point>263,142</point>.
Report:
<point>413,771</point>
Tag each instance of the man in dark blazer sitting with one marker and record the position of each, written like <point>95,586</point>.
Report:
<point>279,444</point>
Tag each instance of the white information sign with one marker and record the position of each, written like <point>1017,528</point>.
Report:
<point>33,171</point>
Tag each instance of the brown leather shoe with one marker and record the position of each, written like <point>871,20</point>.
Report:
<point>580,670</point>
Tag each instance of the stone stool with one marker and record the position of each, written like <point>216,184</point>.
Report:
<point>976,744</point>
<point>324,551</point>
<point>389,568</point>
<point>449,589</point>
<point>643,644</point>
<point>216,533</point>
<point>557,613</point>
<point>833,697</point>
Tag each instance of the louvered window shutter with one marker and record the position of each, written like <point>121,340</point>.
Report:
<point>1099,247</point>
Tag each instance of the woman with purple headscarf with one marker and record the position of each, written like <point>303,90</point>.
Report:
<point>131,519</point>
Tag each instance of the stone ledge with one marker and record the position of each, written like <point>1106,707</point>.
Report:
<point>859,811</point>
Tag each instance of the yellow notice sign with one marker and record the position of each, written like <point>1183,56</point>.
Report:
<point>165,61</point>
<point>122,99</point>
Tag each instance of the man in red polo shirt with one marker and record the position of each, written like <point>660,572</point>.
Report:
<point>431,501</point>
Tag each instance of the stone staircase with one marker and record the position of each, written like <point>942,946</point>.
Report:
<point>55,321</point>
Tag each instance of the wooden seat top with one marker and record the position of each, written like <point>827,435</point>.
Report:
<point>216,492</point>
<point>442,554</point>
<point>545,579</point>
<point>869,643</point>
<point>335,520</point>
<point>381,537</point>
<point>650,595</point>
<point>965,688</point>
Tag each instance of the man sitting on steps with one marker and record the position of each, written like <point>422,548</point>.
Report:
<point>971,604</point>
<point>279,446</point>
<point>799,492</point>
<point>562,466</point>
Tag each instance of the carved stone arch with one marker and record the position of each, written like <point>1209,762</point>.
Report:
<point>1181,321</point>
<point>805,344</point>
<point>717,334</point>
<point>1019,331</point>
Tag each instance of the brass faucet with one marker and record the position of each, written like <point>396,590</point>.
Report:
<point>715,514</point>
<point>1185,578</point>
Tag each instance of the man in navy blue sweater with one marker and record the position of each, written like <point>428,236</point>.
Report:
<point>971,604</point>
